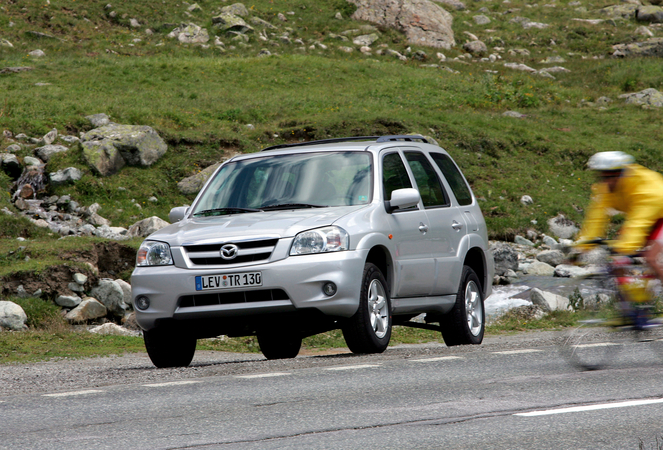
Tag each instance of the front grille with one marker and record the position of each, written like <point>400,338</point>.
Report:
<point>227,298</point>
<point>248,251</point>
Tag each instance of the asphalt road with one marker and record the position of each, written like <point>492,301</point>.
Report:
<point>513,392</point>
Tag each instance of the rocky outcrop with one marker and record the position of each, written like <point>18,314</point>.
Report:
<point>109,148</point>
<point>423,22</point>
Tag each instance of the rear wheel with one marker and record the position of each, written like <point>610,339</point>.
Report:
<point>594,343</point>
<point>169,348</point>
<point>279,345</point>
<point>369,330</point>
<point>465,323</point>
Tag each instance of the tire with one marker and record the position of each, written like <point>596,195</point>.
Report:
<point>279,345</point>
<point>466,322</point>
<point>593,344</point>
<point>169,348</point>
<point>369,330</point>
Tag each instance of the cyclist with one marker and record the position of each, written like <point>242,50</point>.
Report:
<point>634,190</point>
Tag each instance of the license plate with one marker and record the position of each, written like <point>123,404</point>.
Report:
<point>204,283</point>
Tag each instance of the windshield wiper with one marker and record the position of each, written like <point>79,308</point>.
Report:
<point>224,211</point>
<point>292,206</point>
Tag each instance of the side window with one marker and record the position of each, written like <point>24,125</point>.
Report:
<point>427,180</point>
<point>394,174</point>
<point>454,178</point>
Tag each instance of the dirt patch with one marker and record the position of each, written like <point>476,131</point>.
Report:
<point>103,260</point>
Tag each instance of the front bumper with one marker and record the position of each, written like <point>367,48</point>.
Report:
<point>300,277</point>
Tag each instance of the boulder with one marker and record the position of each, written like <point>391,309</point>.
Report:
<point>562,227</point>
<point>423,22</point>
<point>110,294</point>
<point>650,47</point>
<point>548,301</point>
<point>10,165</point>
<point>68,301</point>
<point>481,19</point>
<point>112,329</point>
<point>193,184</point>
<point>48,150</point>
<point>505,258</point>
<point>89,309</point>
<point>98,120</point>
<point>522,241</point>
<point>552,257</point>
<point>190,34</point>
<point>570,271</point>
<point>64,176</point>
<point>649,97</point>
<point>109,148</point>
<point>365,39</point>
<point>230,22</point>
<point>539,268</point>
<point>650,13</point>
<point>475,48</point>
<point>237,9</point>
<point>622,11</point>
<point>12,316</point>
<point>126,290</point>
<point>147,226</point>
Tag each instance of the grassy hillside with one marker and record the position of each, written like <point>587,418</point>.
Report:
<point>202,100</point>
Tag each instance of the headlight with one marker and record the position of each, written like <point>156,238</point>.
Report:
<point>153,253</point>
<point>322,240</point>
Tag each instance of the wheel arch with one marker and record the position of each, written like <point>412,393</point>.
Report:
<point>380,256</point>
<point>476,260</point>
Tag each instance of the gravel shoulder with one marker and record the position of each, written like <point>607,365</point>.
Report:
<point>62,375</point>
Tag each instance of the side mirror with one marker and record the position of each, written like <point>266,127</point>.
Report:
<point>403,198</point>
<point>177,214</point>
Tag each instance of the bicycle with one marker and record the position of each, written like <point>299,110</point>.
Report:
<point>632,318</point>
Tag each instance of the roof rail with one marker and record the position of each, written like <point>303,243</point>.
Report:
<point>404,137</point>
<point>323,141</point>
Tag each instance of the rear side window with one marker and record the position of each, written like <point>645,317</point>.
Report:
<point>430,187</point>
<point>454,178</point>
<point>394,175</point>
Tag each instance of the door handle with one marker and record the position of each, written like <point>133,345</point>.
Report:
<point>456,226</point>
<point>423,227</point>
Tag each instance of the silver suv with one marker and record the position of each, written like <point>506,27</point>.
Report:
<point>358,233</point>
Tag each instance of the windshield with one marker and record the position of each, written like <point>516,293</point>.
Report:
<point>289,181</point>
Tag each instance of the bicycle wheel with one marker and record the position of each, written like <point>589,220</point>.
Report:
<point>652,336</point>
<point>593,344</point>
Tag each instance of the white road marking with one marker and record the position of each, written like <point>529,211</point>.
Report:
<point>517,352</point>
<point>439,358</point>
<point>358,366</point>
<point>599,344</point>
<point>591,407</point>
<point>171,383</point>
<point>264,375</point>
<point>69,394</point>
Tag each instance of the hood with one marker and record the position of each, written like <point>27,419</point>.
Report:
<point>285,223</point>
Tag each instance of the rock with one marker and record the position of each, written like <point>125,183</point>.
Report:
<point>522,241</point>
<point>526,200</point>
<point>422,21</point>
<point>30,161</point>
<point>261,23</point>
<point>453,4</point>
<point>366,39</point>
<point>481,20</point>
<point>550,241</point>
<point>37,53</point>
<point>540,268</point>
<point>64,176</point>
<point>10,165</point>
<point>193,184</point>
<point>147,226</point>
<point>552,257</point>
<point>230,22</point>
<point>650,47</point>
<point>110,294</point>
<point>553,60</point>
<point>548,301</point>
<point>112,329</point>
<point>68,301</point>
<point>475,48</point>
<point>190,34</point>
<point>109,148</point>
<point>75,287</point>
<point>505,258</point>
<point>12,316</point>
<point>649,97</point>
<point>517,66</point>
<point>47,151</point>
<point>514,114</point>
<point>89,309</point>
<point>570,271</point>
<point>596,301</point>
<point>98,120</point>
<point>562,227</point>
<point>650,13</point>
<point>126,289</point>
<point>50,136</point>
<point>5,43</point>
<point>237,9</point>
<point>623,11</point>
<point>644,31</point>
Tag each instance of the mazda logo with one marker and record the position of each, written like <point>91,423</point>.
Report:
<point>229,251</point>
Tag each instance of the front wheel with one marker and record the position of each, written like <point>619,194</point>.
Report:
<point>465,323</point>
<point>169,348</point>
<point>369,330</point>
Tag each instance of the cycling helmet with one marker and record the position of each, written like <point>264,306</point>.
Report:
<point>610,161</point>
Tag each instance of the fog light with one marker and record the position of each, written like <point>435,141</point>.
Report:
<point>141,302</point>
<point>329,289</point>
